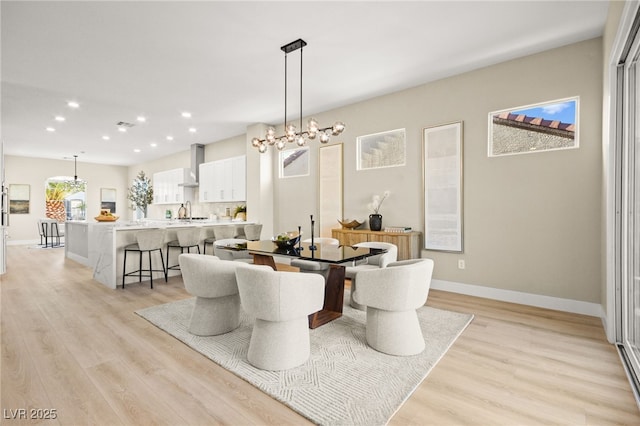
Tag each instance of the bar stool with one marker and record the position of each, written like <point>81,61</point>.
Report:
<point>147,241</point>
<point>223,232</point>
<point>187,238</point>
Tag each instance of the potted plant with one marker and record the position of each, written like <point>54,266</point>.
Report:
<point>140,194</point>
<point>240,212</point>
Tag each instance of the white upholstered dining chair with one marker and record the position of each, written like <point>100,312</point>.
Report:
<point>392,295</point>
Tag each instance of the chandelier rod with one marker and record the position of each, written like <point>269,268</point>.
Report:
<point>285,90</point>
<point>301,49</point>
<point>75,167</point>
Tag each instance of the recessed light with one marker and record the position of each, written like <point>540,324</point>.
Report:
<point>122,129</point>
<point>136,150</point>
<point>50,129</point>
<point>59,118</point>
<point>186,114</point>
<point>141,119</point>
<point>193,129</point>
<point>73,104</point>
<point>105,137</point>
<point>153,144</point>
<point>169,138</point>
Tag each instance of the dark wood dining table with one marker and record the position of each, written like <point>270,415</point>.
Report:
<point>337,257</point>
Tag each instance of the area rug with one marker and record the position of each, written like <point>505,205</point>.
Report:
<point>344,382</point>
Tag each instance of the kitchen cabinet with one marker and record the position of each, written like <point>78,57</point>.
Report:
<point>168,186</point>
<point>223,180</point>
<point>408,243</point>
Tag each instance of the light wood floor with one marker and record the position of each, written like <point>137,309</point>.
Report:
<point>70,344</point>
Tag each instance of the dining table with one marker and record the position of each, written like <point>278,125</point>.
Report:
<point>336,256</point>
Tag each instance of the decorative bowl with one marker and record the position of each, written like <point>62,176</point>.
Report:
<point>292,241</point>
<point>111,218</point>
<point>353,224</point>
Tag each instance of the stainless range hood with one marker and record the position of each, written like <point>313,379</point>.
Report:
<point>197,158</point>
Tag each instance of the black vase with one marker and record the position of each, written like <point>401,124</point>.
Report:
<point>375,222</point>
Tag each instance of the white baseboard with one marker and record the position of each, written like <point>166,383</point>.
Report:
<point>22,242</point>
<point>540,301</point>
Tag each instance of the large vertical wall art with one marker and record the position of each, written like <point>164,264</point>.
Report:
<point>442,174</point>
<point>330,188</point>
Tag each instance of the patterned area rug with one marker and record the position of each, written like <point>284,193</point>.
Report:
<point>344,382</point>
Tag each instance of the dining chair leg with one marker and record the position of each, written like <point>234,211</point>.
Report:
<point>150,268</point>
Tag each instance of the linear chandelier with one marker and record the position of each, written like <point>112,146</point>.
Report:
<point>292,134</point>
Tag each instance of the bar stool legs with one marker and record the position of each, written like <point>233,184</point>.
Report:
<point>140,270</point>
<point>147,241</point>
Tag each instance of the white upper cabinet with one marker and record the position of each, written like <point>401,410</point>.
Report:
<point>168,189</point>
<point>223,180</point>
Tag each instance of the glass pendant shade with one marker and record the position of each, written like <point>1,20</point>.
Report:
<point>291,134</point>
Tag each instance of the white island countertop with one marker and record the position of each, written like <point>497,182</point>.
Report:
<point>100,245</point>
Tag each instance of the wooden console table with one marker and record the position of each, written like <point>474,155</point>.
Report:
<point>408,243</point>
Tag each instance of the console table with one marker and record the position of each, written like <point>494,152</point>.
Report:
<point>408,243</point>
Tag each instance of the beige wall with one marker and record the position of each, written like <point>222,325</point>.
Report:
<point>531,222</point>
<point>35,172</point>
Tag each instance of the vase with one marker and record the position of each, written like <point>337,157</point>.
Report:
<point>375,222</point>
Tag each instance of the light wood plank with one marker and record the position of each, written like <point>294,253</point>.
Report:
<point>72,344</point>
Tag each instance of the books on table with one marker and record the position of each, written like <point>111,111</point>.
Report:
<point>399,229</point>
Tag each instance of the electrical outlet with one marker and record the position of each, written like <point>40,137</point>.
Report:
<point>461,264</point>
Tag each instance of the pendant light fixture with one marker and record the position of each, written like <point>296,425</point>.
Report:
<point>292,134</point>
<point>75,167</point>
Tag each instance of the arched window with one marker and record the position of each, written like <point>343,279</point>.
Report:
<point>65,198</point>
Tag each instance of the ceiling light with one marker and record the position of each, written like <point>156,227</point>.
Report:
<point>141,119</point>
<point>192,129</point>
<point>186,114</point>
<point>50,129</point>
<point>153,144</point>
<point>106,138</point>
<point>291,133</point>
<point>122,129</point>
<point>169,138</point>
<point>73,104</point>
<point>59,118</point>
<point>136,150</point>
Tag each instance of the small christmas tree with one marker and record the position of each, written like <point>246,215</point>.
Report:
<point>140,193</point>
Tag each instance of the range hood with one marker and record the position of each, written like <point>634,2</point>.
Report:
<point>197,158</point>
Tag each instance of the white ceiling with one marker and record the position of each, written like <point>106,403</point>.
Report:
<point>222,62</point>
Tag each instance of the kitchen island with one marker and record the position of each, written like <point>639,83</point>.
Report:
<point>100,245</point>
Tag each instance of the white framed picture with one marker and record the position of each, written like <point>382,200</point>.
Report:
<point>385,149</point>
<point>294,162</point>
<point>545,126</point>
<point>443,191</point>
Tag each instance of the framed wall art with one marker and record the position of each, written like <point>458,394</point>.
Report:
<point>294,162</point>
<point>442,174</point>
<point>546,126</point>
<point>19,198</point>
<point>330,190</point>
<point>385,149</point>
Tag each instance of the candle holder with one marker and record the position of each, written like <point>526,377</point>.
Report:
<point>312,246</point>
